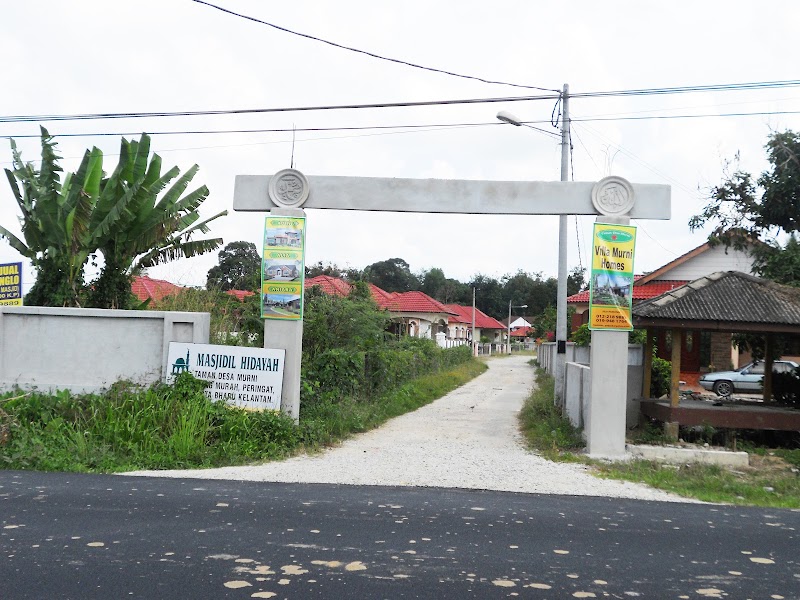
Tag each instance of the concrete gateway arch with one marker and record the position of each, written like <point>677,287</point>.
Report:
<point>613,199</point>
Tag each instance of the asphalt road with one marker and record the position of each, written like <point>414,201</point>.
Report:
<point>104,536</point>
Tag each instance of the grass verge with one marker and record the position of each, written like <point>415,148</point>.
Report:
<point>171,427</point>
<point>770,481</point>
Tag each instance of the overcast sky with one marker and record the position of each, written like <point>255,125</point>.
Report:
<point>106,57</point>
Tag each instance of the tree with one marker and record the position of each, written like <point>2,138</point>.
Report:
<point>444,289</point>
<point>239,268</point>
<point>742,208</point>
<point>140,229</point>
<point>489,296</point>
<point>392,275</point>
<point>54,216</point>
<point>66,223</point>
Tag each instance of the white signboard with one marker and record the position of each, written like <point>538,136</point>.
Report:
<point>240,376</point>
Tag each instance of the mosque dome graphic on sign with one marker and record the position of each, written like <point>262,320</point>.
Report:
<point>180,365</point>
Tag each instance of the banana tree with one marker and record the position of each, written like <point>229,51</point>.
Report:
<point>63,224</point>
<point>137,229</point>
<point>55,219</point>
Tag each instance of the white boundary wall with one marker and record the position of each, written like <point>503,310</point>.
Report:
<point>578,386</point>
<point>577,392</point>
<point>86,350</point>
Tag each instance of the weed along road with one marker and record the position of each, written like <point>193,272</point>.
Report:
<point>440,503</point>
<point>100,536</point>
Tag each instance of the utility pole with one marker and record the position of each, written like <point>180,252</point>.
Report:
<point>474,341</point>
<point>561,299</point>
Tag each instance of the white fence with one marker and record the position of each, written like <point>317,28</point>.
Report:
<point>578,380</point>
<point>87,350</point>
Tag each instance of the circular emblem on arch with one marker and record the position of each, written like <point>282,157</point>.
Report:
<point>613,196</point>
<point>288,188</point>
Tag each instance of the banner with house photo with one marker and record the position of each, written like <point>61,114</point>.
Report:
<point>611,283</point>
<point>283,268</point>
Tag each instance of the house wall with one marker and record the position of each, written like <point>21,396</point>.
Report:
<point>425,322</point>
<point>86,350</point>
<point>519,322</point>
<point>712,260</point>
<point>462,331</point>
<point>580,355</point>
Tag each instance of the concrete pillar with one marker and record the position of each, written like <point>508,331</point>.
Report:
<point>605,423</point>
<point>606,418</point>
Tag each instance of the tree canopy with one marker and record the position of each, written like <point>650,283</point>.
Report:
<point>239,268</point>
<point>392,275</point>
<point>124,216</point>
<point>744,208</point>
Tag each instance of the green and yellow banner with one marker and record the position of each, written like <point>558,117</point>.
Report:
<point>611,285</point>
<point>283,268</point>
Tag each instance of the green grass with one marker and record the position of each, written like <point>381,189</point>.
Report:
<point>769,482</point>
<point>168,427</point>
<point>543,426</point>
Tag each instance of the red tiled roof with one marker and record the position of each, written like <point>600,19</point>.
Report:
<point>644,291</point>
<point>393,301</point>
<point>413,302</point>
<point>240,294</point>
<point>330,285</point>
<point>463,314</point>
<point>143,287</point>
<point>523,332</point>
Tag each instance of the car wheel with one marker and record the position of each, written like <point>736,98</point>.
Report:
<point>723,388</point>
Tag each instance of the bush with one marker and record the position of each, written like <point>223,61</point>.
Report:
<point>786,388</point>
<point>660,377</point>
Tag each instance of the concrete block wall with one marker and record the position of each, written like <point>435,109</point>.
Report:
<point>87,350</point>
<point>577,392</point>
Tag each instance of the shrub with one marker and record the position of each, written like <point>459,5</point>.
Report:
<point>786,388</point>
<point>660,377</point>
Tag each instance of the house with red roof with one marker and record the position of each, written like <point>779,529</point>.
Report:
<point>144,287</point>
<point>413,313</point>
<point>147,288</point>
<point>701,261</point>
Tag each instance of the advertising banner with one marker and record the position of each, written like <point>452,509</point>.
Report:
<point>249,378</point>
<point>11,284</point>
<point>283,268</point>
<point>611,284</point>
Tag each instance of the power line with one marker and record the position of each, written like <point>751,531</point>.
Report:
<point>137,115</point>
<point>721,87</point>
<point>370,54</point>
<point>277,130</point>
<point>694,116</point>
<point>311,139</point>
<point>184,113</point>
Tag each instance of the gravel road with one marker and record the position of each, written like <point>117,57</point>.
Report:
<point>467,439</point>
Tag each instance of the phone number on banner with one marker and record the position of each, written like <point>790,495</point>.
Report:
<point>610,321</point>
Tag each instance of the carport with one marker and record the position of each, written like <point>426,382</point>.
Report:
<point>726,301</point>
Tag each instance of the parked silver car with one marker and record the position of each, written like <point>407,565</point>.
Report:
<point>748,379</point>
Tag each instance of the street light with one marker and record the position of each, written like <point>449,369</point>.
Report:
<point>561,297</point>
<point>509,321</point>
